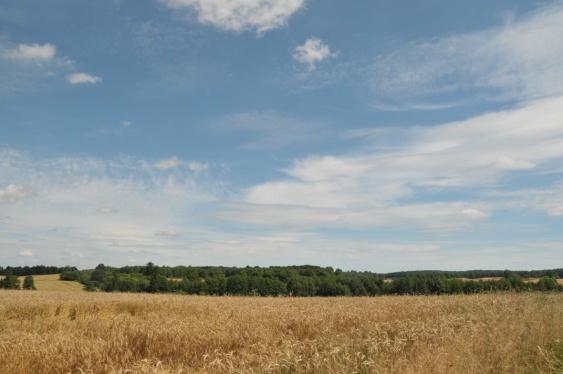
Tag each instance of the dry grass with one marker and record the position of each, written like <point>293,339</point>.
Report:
<point>536,280</point>
<point>56,332</point>
<point>527,280</point>
<point>53,283</point>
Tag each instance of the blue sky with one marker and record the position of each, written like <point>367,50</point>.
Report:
<point>376,135</point>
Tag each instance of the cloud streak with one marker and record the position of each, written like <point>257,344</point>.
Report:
<point>503,63</point>
<point>373,188</point>
<point>83,78</point>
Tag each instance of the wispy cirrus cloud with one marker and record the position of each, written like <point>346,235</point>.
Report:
<point>118,211</point>
<point>94,204</point>
<point>548,199</point>
<point>174,162</point>
<point>503,63</point>
<point>378,187</point>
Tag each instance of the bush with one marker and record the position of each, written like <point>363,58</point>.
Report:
<point>547,284</point>
<point>29,283</point>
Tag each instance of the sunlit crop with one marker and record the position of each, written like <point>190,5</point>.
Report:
<point>56,332</point>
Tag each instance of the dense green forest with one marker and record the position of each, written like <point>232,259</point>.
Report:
<point>293,280</point>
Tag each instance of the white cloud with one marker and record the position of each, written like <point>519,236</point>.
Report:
<point>434,217</point>
<point>32,52</point>
<point>25,253</point>
<point>370,188</point>
<point>169,163</point>
<point>13,193</point>
<point>27,67</point>
<point>522,59</point>
<point>312,52</point>
<point>241,15</point>
<point>75,203</point>
<point>197,166</point>
<point>42,64</point>
<point>83,78</point>
<point>174,162</point>
<point>548,200</point>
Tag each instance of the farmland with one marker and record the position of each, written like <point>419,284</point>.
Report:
<point>52,332</point>
<point>51,282</point>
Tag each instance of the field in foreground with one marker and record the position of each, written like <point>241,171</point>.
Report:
<point>58,332</point>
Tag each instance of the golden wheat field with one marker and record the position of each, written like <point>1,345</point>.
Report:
<point>62,332</point>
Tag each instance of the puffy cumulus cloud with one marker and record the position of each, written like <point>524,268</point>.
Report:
<point>82,78</point>
<point>27,67</point>
<point>240,15</point>
<point>32,52</point>
<point>313,51</point>
<point>377,187</point>
<point>13,193</point>
<point>505,62</point>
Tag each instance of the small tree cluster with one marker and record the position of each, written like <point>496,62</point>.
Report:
<point>10,282</point>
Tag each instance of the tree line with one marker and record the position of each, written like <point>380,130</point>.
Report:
<point>291,281</point>
<point>475,274</point>
<point>12,282</point>
<point>34,270</point>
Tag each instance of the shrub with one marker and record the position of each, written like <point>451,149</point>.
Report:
<point>29,283</point>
